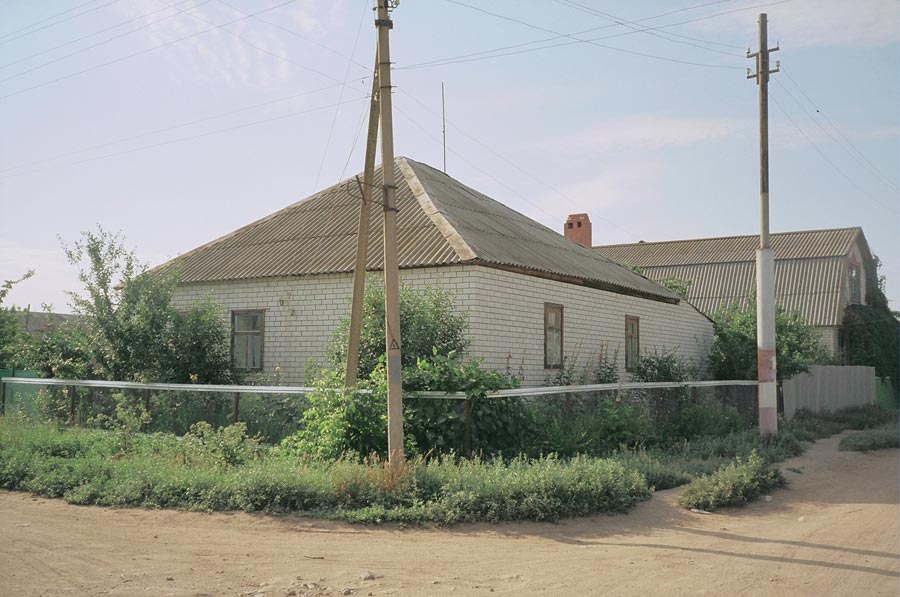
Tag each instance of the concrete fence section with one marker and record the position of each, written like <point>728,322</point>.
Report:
<point>829,388</point>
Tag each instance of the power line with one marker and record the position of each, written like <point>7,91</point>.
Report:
<point>50,18</point>
<point>859,154</point>
<point>75,16</point>
<point>483,54</point>
<point>649,30</point>
<point>477,169</point>
<point>295,34</point>
<point>514,165</point>
<point>104,42</point>
<point>827,159</point>
<point>579,40</point>
<point>141,52</point>
<point>89,35</point>
<point>340,97</point>
<point>192,137</point>
<point>171,128</point>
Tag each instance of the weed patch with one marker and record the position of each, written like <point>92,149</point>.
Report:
<point>735,484</point>
<point>871,439</point>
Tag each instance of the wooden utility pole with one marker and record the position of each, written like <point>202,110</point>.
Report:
<point>765,259</point>
<point>362,239</point>
<point>444,126</point>
<point>391,269</point>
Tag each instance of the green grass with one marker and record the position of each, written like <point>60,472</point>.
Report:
<point>881,438</point>
<point>211,469</point>
<point>160,471</point>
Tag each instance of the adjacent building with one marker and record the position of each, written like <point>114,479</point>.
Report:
<point>818,273</point>
<point>535,300</point>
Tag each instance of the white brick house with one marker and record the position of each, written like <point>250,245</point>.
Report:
<point>532,296</point>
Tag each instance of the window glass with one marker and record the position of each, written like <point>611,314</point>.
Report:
<point>247,340</point>
<point>553,336</point>
<point>632,342</point>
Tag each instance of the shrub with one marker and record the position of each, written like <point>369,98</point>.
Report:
<point>737,483</point>
<point>733,353</point>
<point>594,429</point>
<point>871,439</point>
<point>429,320</point>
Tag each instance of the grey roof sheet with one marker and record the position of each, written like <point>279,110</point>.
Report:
<point>812,287</point>
<point>786,245</point>
<point>440,222</point>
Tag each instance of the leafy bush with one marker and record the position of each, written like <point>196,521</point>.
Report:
<point>593,429</point>
<point>733,353</point>
<point>340,422</point>
<point>662,365</point>
<point>698,419</point>
<point>736,484</point>
<point>871,439</point>
<point>429,320</point>
<point>225,446</point>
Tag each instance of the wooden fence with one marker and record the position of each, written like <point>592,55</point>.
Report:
<point>829,388</point>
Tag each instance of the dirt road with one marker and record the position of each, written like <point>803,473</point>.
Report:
<point>834,531</point>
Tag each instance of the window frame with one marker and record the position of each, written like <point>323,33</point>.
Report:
<point>548,307</point>
<point>631,359</point>
<point>261,333</point>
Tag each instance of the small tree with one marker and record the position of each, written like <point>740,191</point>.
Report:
<point>133,330</point>
<point>733,354</point>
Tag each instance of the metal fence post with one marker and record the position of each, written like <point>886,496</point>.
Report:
<point>236,406</point>
<point>468,437</point>
<point>2,397</point>
<point>146,407</point>
<point>71,391</point>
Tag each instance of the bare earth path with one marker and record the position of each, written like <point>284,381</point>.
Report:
<point>834,531</point>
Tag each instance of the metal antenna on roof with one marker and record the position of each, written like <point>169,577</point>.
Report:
<point>444,126</point>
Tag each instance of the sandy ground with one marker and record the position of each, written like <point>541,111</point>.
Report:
<point>834,531</point>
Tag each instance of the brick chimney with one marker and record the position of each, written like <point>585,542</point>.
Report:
<point>578,228</point>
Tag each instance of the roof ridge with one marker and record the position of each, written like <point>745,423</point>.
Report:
<point>857,229</point>
<point>456,241</point>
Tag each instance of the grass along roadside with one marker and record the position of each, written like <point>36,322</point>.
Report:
<point>210,469</point>
<point>881,438</point>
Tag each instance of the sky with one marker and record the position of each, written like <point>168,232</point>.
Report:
<point>175,122</point>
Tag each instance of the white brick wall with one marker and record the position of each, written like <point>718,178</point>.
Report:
<point>505,310</point>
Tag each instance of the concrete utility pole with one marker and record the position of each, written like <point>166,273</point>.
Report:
<point>765,259</point>
<point>391,273</point>
<point>362,239</point>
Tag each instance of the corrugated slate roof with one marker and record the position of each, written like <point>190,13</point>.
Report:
<point>787,245</point>
<point>810,267</point>
<point>440,222</point>
<point>810,286</point>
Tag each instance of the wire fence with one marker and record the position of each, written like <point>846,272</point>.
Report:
<point>568,419</point>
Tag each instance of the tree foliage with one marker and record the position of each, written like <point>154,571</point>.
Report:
<point>871,332</point>
<point>733,354</point>
<point>126,327</point>
<point>679,286</point>
<point>11,333</point>
<point>428,320</point>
